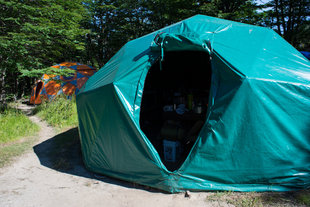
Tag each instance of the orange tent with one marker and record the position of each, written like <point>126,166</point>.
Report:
<point>49,86</point>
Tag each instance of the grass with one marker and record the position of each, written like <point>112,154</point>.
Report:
<point>15,149</point>
<point>254,199</point>
<point>303,197</point>
<point>16,134</point>
<point>60,113</point>
<point>16,129</point>
<point>14,125</point>
<point>236,199</point>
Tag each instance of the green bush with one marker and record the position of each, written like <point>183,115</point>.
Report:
<point>60,112</point>
<point>14,124</point>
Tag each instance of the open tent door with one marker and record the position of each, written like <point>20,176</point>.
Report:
<point>174,104</point>
<point>38,89</point>
<point>35,97</point>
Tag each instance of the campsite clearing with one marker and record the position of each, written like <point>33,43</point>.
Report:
<point>53,174</point>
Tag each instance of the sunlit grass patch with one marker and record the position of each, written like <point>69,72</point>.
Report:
<point>60,112</point>
<point>16,133</point>
<point>15,149</point>
<point>259,199</point>
<point>14,125</point>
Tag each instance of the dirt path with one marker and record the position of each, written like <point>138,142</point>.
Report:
<point>34,180</point>
<point>52,174</point>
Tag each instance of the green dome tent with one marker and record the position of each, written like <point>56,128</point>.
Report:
<point>204,104</point>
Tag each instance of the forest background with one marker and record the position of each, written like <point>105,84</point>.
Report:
<point>35,34</point>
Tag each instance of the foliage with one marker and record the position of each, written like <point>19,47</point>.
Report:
<point>60,112</point>
<point>237,10</point>
<point>35,34</point>
<point>163,13</point>
<point>49,71</point>
<point>14,125</point>
<point>16,134</point>
<point>113,23</point>
<point>291,19</point>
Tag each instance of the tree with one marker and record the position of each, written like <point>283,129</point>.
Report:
<point>112,24</point>
<point>291,19</point>
<point>163,13</point>
<point>35,34</point>
<point>237,10</point>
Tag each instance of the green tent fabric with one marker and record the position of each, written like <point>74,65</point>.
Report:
<point>256,136</point>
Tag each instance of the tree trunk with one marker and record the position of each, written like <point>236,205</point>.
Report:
<point>276,2</point>
<point>290,16</point>
<point>283,18</point>
<point>2,88</point>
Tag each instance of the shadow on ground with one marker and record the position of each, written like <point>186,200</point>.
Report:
<point>63,153</point>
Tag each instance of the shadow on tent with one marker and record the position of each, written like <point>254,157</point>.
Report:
<point>63,153</point>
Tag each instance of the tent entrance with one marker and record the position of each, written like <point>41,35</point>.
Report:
<point>174,104</point>
<point>38,89</point>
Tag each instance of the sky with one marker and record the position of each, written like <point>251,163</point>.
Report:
<point>261,1</point>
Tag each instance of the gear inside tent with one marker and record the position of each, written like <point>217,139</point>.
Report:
<point>203,104</point>
<point>174,103</point>
<point>49,86</point>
